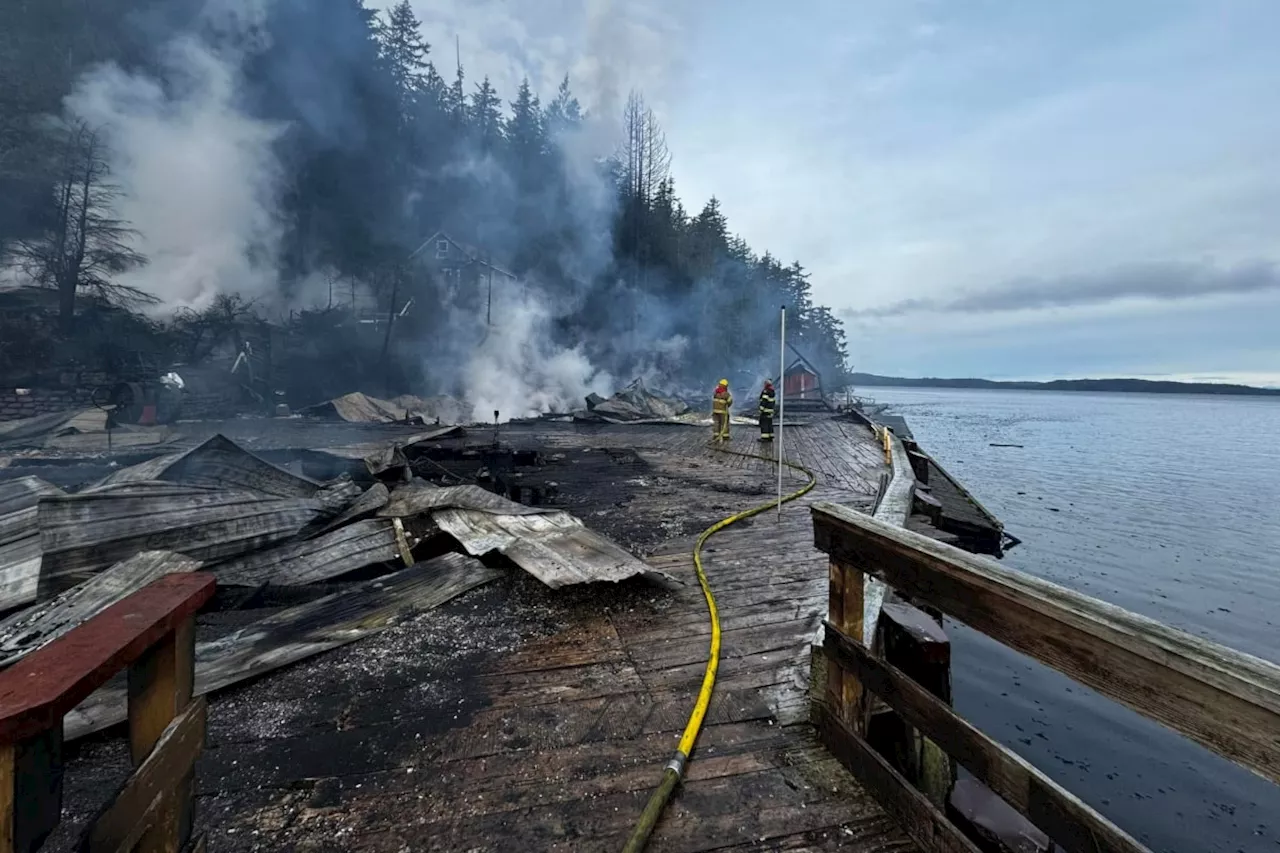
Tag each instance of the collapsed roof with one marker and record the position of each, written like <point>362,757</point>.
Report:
<point>634,404</point>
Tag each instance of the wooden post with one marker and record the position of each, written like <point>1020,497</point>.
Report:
<point>845,611</point>
<point>8,795</point>
<point>30,790</point>
<point>916,645</point>
<point>160,686</point>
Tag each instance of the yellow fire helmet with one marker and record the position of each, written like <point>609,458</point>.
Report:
<point>724,383</point>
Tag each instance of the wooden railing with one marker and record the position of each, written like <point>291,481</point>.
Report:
<point>1222,699</point>
<point>152,634</point>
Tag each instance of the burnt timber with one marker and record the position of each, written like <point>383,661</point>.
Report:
<point>520,718</point>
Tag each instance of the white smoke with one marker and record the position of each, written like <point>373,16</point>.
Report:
<point>518,372</point>
<point>198,175</point>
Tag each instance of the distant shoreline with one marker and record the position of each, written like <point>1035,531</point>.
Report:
<point>1144,386</point>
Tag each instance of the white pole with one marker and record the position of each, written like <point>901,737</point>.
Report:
<point>782,399</point>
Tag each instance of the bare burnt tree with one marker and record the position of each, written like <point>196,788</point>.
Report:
<point>81,245</point>
<point>645,158</point>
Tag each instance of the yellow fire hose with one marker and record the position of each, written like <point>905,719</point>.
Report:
<point>675,767</point>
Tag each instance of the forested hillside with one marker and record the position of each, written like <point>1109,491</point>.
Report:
<point>373,141</point>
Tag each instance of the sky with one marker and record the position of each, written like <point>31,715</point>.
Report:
<point>1030,189</point>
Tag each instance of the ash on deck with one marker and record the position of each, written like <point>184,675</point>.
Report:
<point>521,718</point>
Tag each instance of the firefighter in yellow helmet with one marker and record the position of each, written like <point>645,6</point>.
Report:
<point>721,403</point>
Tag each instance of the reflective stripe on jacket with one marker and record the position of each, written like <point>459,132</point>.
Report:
<point>768,402</point>
<point>721,401</point>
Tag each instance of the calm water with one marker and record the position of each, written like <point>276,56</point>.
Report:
<point>1166,505</point>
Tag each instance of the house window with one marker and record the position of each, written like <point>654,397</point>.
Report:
<point>442,248</point>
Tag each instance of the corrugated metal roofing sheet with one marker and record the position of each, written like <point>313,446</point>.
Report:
<point>218,463</point>
<point>555,547</point>
<point>37,626</point>
<point>419,497</point>
<point>20,554</point>
<point>336,553</point>
<point>83,534</point>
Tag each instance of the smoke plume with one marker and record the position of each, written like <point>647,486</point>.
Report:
<point>518,373</point>
<point>199,175</point>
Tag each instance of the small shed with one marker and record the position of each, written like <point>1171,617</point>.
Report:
<point>801,381</point>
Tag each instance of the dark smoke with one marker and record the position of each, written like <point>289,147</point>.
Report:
<point>267,149</point>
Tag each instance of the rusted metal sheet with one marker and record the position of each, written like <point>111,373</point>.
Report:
<point>555,547</point>
<point>20,539</point>
<point>303,631</point>
<point>219,463</point>
<point>336,553</point>
<point>83,534</point>
<point>38,626</point>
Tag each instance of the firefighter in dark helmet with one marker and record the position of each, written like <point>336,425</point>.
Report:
<point>768,408</point>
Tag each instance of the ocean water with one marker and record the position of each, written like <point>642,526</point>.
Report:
<point>1167,505</point>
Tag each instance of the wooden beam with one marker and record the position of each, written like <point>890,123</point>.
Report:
<point>160,685</point>
<point>845,609</point>
<point>141,802</point>
<point>993,824</point>
<point>30,790</point>
<point>1069,822</point>
<point>893,506</point>
<point>921,819</point>
<point>37,691</point>
<point>1223,699</point>
<point>8,792</point>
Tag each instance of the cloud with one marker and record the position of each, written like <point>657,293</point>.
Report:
<point>1158,282</point>
<point>607,47</point>
<point>1227,337</point>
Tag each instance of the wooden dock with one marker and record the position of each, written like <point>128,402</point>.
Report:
<point>524,719</point>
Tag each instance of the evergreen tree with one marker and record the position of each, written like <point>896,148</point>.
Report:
<point>456,101</point>
<point>379,153</point>
<point>526,137</point>
<point>405,53</point>
<point>564,113</point>
<point>485,117</point>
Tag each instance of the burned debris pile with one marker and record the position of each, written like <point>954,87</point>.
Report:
<point>633,404</point>
<point>360,408</point>
<point>384,546</point>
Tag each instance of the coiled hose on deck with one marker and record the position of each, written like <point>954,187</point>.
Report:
<point>675,767</point>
